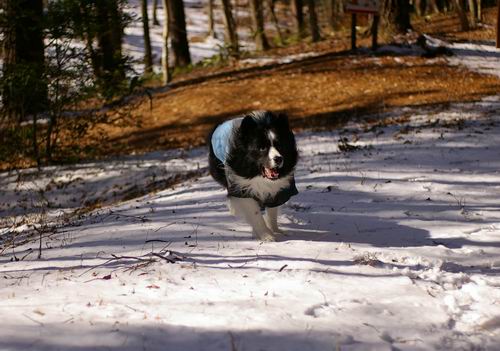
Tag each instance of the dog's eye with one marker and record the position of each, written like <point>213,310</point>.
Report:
<point>263,148</point>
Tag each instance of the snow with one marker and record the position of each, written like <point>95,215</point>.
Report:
<point>393,245</point>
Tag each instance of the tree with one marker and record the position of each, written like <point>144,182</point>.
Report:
<point>155,10</point>
<point>165,52</point>
<point>211,21</point>
<point>313,20</point>
<point>274,18</point>
<point>102,22</point>
<point>335,12</point>
<point>178,33</point>
<point>298,11</point>
<point>148,55</point>
<point>462,15</point>
<point>24,88</point>
<point>230,25</point>
<point>257,10</point>
<point>396,16</point>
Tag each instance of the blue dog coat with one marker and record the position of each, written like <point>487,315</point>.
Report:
<point>221,143</point>
<point>221,138</point>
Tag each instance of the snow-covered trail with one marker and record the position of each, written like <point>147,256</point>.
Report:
<point>394,245</point>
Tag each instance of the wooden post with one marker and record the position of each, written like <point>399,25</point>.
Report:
<point>376,19</point>
<point>353,31</point>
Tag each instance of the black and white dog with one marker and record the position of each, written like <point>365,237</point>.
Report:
<point>254,158</point>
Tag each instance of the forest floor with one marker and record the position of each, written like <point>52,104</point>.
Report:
<point>320,85</point>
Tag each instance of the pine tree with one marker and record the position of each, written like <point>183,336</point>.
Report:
<point>24,88</point>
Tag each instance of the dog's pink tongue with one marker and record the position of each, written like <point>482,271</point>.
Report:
<point>271,173</point>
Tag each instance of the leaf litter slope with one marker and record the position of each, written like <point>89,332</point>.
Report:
<point>391,245</point>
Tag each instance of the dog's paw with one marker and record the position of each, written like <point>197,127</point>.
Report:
<point>278,231</point>
<point>265,236</point>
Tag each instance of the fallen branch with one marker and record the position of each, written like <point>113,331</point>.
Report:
<point>169,256</point>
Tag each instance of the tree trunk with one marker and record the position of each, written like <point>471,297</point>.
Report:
<point>272,10</point>
<point>313,20</point>
<point>298,11</point>
<point>396,16</point>
<point>462,15</point>
<point>329,6</point>
<point>178,33</point>
<point>148,55</point>
<point>335,13</point>
<point>431,7</point>
<point>258,24</point>
<point>473,8</point>
<point>231,33</point>
<point>109,39</point>
<point>155,10</point>
<point>165,54</point>
<point>24,58</point>
<point>498,24</point>
<point>211,20</point>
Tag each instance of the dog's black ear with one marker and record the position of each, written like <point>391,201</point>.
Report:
<point>282,120</point>
<point>248,124</point>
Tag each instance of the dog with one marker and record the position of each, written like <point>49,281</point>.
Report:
<point>254,158</point>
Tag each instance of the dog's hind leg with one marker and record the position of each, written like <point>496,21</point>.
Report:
<point>271,219</point>
<point>249,209</point>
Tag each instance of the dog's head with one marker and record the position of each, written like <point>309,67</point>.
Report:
<point>268,145</point>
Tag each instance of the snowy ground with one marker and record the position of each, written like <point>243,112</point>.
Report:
<point>390,246</point>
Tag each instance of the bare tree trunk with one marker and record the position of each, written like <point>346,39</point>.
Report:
<point>473,13</point>
<point>498,24</point>
<point>431,7</point>
<point>464,22</point>
<point>231,34</point>
<point>298,11</point>
<point>330,12</point>
<point>396,16</point>
<point>36,152</point>
<point>335,13</point>
<point>420,7</point>
<point>109,38</point>
<point>155,10</point>
<point>165,54</point>
<point>178,33</point>
<point>148,55</point>
<point>313,20</point>
<point>258,25</point>
<point>272,10</point>
<point>211,20</point>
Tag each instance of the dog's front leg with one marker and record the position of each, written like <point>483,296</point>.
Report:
<point>272,219</point>
<point>249,209</point>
